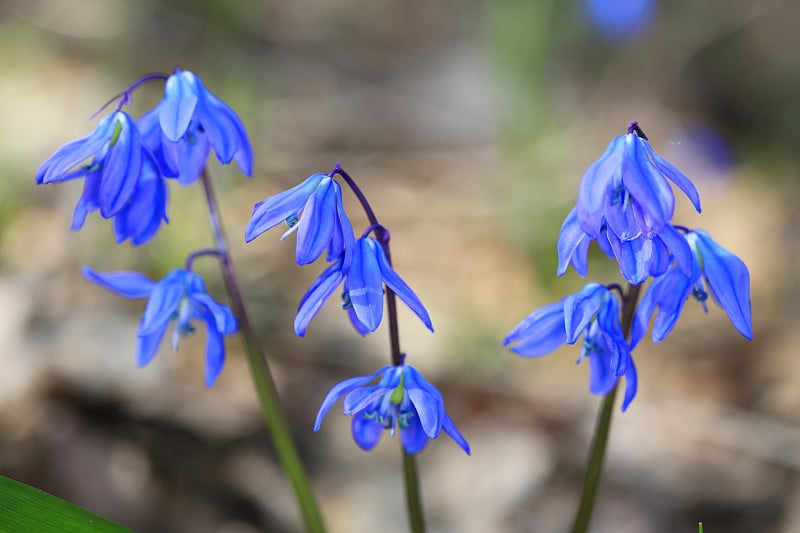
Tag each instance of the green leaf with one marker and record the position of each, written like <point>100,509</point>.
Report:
<point>25,508</point>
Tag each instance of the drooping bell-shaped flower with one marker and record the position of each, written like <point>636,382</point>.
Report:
<point>402,400</point>
<point>180,297</point>
<point>625,203</point>
<point>190,121</point>
<point>363,293</point>
<point>593,313</point>
<point>714,268</point>
<point>314,210</point>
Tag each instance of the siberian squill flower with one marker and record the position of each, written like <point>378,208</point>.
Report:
<point>725,275</point>
<point>180,297</point>
<point>594,313</point>
<point>121,179</point>
<point>315,211</point>
<point>363,292</point>
<point>401,399</point>
<point>625,203</point>
<point>187,123</point>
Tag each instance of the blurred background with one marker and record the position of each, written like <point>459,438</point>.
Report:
<point>468,124</point>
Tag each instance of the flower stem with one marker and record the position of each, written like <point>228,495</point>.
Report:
<point>597,452</point>
<point>416,518</point>
<point>262,377</point>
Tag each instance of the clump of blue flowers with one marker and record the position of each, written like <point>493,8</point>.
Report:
<point>362,267</point>
<point>626,204</point>
<point>126,165</point>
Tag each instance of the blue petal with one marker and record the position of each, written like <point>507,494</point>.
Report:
<point>141,218</point>
<point>619,212</point>
<point>56,167</point>
<point>541,332</point>
<point>614,339</point>
<point>631,385</point>
<point>601,378</point>
<point>676,176</point>
<point>413,437</point>
<point>728,278</point>
<point>580,308</point>
<point>591,194</point>
<point>366,432</point>
<point>127,284</point>
<point>178,106</point>
<point>148,345</point>
<point>230,127</point>
<point>342,241</point>
<point>122,168</point>
<point>163,302</point>
<point>364,285</point>
<point>317,225</point>
<point>633,257</point>
<point>276,209</point>
<point>315,297</point>
<point>450,428</point>
<point>222,316</point>
<point>573,245</point>
<point>339,390</point>
<point>398,286</point>
<point>676,242</point>
<point>215,347</point>
<point>189,155</point>
<point>359,399</point>
<point>360,328</point>
<point>88,200</point>
<point>427,401</point>
<point>646,184</point>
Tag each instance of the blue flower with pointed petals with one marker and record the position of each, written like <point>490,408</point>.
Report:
<point>313,209</point>
<point>190,121</point>
<point>363,292</point>
<point>594,313</point>
<point>118,156</point>
<point>625,203</point>
<point>725,275</point>
<point>180,297</point>
<point>401,399</point>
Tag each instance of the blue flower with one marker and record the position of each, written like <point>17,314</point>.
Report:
<point>594,313</point>
<point>180,297</point>
<point>118,156</point>
<point>402,399</point>
<point>187,123</point>
<point>725,275</point>
<point>620,19</point>
<point>363,292</point>
<point>315,211</point>
<point>625,203</point>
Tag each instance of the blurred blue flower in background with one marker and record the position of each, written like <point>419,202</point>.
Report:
<point>725,275</point>
<point>180,297</point>
<point>594,313</point>
<point>402,399</point>
<point>620,20</point>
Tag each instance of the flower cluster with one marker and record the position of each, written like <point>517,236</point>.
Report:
<point>626,204</point>
<point>314,210</point>
<point>125,165</point>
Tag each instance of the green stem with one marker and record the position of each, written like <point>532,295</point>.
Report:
<point>262,377</point>
<point>597,452</point>
<point>416,518</point>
